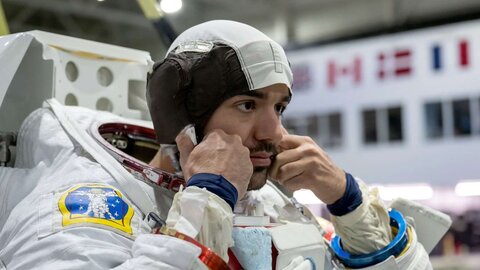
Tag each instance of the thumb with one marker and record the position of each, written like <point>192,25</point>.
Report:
<point>185,147</point>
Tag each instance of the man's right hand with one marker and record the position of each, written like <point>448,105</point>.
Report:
<point>218,153</point>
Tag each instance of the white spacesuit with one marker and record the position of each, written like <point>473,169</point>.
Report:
<point>43,225</point>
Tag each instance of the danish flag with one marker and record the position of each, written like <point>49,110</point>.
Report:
<point>397,63</point>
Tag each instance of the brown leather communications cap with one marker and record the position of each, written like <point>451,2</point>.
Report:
<point>187,87</point>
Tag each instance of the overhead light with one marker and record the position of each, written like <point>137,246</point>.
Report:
<point>416,192</point>
<point>170,6</point>
<point>306,196</point>
<point>468,188</point>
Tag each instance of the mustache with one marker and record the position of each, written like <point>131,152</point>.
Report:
<point>265,147</point>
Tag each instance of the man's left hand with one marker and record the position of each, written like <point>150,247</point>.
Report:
<point>302,164</point>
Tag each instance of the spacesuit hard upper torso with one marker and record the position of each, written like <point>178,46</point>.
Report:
<point>60,209</point>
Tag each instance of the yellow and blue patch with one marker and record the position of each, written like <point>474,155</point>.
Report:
<point>96,204</point>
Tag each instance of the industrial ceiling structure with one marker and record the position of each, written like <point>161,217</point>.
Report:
<point>294,23</point>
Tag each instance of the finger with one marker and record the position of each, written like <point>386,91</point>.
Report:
<point>290,171</point>
<point>215,132</point>
<point>289,141</point>
<point>185,146</point>
<point>295,183</point>
<point>300,152</point>
<point>282,159</point>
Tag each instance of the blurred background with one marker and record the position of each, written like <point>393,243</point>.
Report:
<point>295,24</point>
<point>389,88</point>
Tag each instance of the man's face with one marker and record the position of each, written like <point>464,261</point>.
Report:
<point>255,117</point>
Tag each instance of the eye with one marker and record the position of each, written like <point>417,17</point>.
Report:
<point>280,108</point>
<point>246,106</point>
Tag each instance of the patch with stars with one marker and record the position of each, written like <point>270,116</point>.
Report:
<point>95,203</point>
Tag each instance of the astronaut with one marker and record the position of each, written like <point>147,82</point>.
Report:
<point>98,203</point>
<point>218,97</point>
<point>232,84</point>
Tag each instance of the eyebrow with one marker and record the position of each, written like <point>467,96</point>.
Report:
<point>261,95</point>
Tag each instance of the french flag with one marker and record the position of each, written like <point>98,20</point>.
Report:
<point>463,55</point>
<point>352,71</point>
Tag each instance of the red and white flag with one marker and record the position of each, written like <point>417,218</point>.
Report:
<point>396,63</point>
<point>346,71</point>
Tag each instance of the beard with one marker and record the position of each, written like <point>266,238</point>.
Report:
<point>260,174</point>
<point>259,178</point>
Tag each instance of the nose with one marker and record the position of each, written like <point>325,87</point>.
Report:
<point>268,127</point>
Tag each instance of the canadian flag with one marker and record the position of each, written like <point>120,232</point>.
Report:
<point>352,70</point>
<point>397,63</point>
